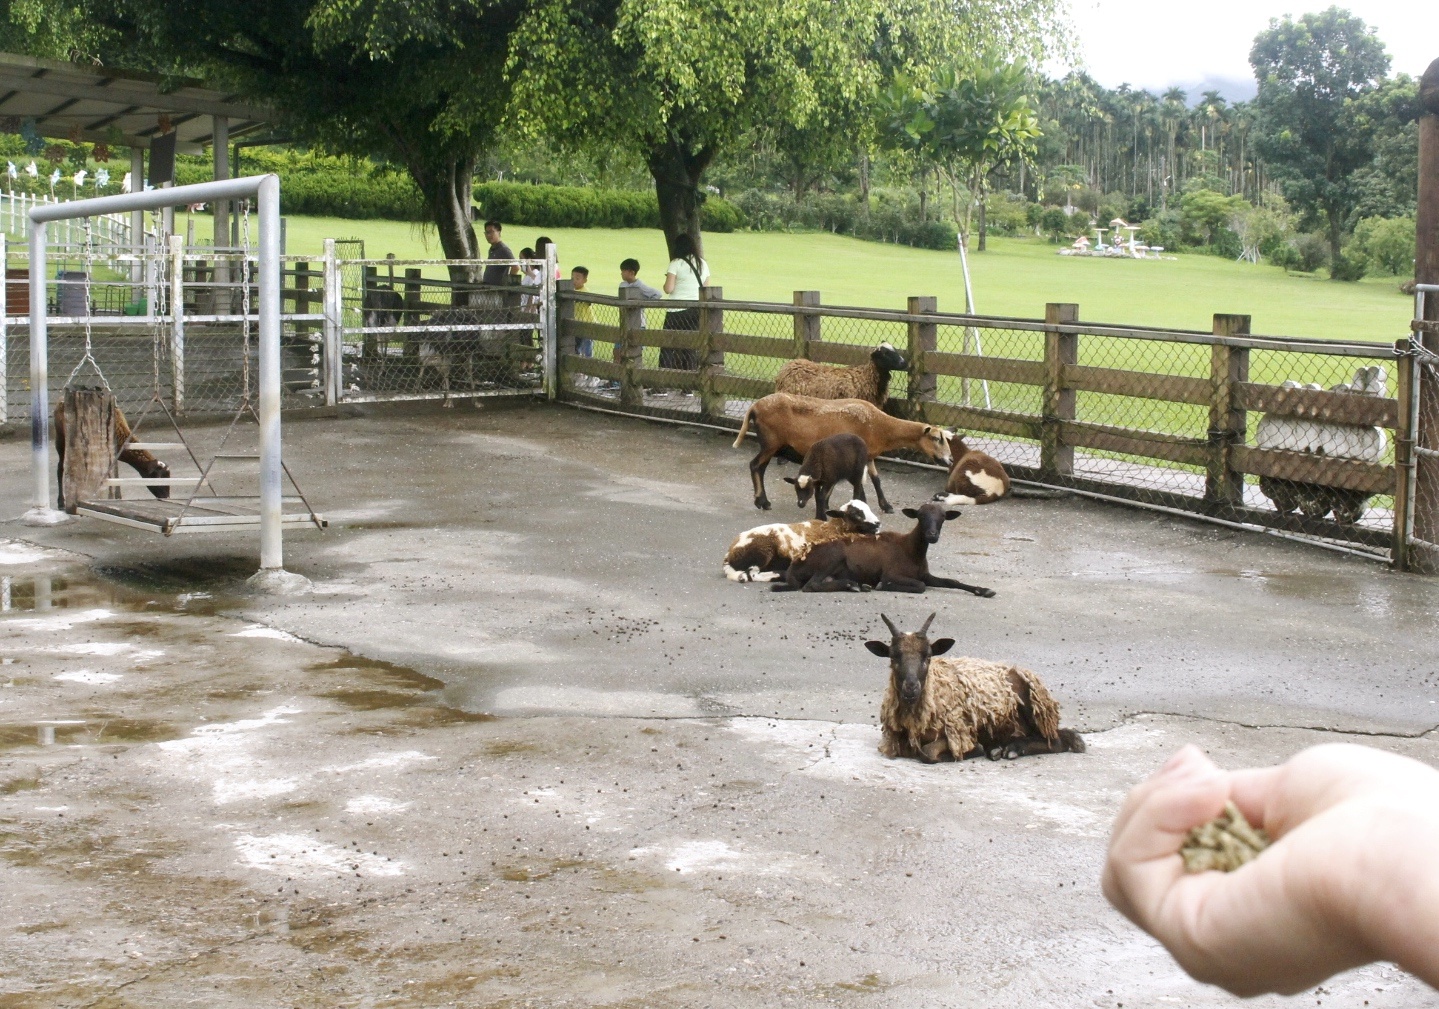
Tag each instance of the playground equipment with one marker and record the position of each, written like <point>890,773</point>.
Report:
<point>194,514</point>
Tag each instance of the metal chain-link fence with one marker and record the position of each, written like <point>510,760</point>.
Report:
<point>1292,435</point>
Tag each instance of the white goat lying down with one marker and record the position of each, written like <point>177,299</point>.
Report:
<point>764,553</point>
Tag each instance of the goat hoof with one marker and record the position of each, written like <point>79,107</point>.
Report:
<point>995,753</point>
<point>865,588</point>
<point>887,509</point>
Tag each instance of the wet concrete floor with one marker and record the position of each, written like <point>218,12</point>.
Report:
<point>524,746</point>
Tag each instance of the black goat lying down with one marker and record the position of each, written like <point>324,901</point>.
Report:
<point>890,562</point>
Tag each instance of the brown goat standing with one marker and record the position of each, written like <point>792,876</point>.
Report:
<point>140,460</point>
<point>869,382</point>
<point>936,708</point>
<point>796,422</point>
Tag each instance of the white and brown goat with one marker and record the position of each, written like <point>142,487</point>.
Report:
<point>764,553</point>
<point>974,477</point>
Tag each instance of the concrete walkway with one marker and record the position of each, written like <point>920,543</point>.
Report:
<point>525,746</point>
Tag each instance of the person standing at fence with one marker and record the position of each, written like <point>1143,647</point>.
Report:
<point>630,278</point>
<point>584,311</point>
<point>497,274</point>
<point>684,277</point>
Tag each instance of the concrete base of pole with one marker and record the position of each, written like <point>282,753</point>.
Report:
<point>278,582</point>
<point>44,517</point>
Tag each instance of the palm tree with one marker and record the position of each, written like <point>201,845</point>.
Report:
<point>1172,113</point>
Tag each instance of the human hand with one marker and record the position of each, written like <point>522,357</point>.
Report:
<point>1352,875</point>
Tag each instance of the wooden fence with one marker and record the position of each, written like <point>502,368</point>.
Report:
<point>1153,416</point>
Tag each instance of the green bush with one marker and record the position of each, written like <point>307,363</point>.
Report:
<point>1058,226</point>
<point>1349,268</point>
<point>1386,244</point>
<point>1305,253</point>
<point>1163,229</point>
<point>1006,213</point>
<point>322,186</point>
<point>585,207</point>
<point>893,216</point>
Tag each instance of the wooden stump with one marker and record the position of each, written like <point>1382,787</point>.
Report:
<point>89,444</point>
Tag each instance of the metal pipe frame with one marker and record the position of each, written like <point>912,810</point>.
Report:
<point>266,190</point>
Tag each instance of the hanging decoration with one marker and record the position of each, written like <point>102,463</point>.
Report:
<point>55,153</point>
<point>102,178</point>
<point>101,152</point>
<point>163,122</point>
<point>34,143</point>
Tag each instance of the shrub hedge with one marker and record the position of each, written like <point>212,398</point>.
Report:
<point>584,207</point>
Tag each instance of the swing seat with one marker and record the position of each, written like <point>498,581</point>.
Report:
<point>204,515</point>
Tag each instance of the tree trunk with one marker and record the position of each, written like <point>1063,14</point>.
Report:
<point>447,193</point>
<point>677,173</point>
<point>923,197</point>
<point>864,182</point>
<point>981,223</point>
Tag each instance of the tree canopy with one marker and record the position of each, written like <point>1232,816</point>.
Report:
<point>1312,73</point>
<point>678,81</point>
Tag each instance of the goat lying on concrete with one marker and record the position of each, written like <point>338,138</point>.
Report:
<point>890,562</point>
<point>869,381</point>
<point>141,460</point>
<point>828,461</point>
<point>764,553</point>
<point>796,422</point>
<point>974,477</point>
<point>936,708</point>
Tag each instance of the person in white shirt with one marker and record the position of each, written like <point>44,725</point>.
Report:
<point>684,277</point>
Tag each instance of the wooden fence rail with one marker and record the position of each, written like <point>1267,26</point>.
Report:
<point>1062,359</point>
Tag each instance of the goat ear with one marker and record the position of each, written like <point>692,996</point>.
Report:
<point>880,648</point>
<point>950,516</point>
<point>910,512</point>
<point>940,645</point>
<point>834,514</point>
<point>789,479</point>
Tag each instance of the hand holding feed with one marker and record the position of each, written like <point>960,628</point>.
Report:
<point>1352,874</point>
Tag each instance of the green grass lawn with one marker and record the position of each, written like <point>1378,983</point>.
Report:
<point>1015,277</point>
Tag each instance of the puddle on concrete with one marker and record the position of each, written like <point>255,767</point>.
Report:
<point>89,730</point>
<point>188,576</point>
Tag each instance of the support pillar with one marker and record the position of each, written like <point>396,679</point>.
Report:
<point>137,220</point>
<point>1426,271</point>
<point>220,147</point>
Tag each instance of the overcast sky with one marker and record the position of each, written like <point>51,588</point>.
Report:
<point>1154,44</point>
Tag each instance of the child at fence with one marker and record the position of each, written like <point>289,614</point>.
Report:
<point>584,311</point>
<point>630,278</point>
<point>1351,877</point>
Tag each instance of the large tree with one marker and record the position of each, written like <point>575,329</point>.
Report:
<point>680,81</point>
<point>1311,73</point>
<point>420,82</point>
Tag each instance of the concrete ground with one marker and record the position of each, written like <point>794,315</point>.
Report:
<point>524,746</point>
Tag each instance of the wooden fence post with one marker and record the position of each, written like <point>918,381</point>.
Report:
<point>1426,271</point>
<point>1060,349</point>
<point>712,402</point>
<point>411,314</point>
<point>923,338</point>
<point>806,326</point>
<point>370,342</point>
<point>632,322</point>
<point>1228,366</point>
<point>565,340</point>
<point>89,443</point>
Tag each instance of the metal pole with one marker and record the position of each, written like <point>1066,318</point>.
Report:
<point>40,513</point>
<point>547,322</point>
<point>137,217</point>
<point>5,330</point>
<point>1426,271</point>
<point>271,546</point>
<point>177,321</point>
<point>220,146</point>
<point>334,344</point>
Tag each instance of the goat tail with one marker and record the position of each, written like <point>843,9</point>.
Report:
<point>1072,741</point>
<point>743,428</point>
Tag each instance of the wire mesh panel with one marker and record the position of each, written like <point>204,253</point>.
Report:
<point>410,331</point>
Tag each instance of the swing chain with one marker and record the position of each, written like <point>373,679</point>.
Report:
<point>88,258</point>
<point>245,293</point>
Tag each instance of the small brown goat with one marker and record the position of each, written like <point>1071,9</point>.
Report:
<point>890,562</point>
<point>828,461</point>
<point>974,477</point>
<point>141,460</point>
<point>936,708</point>
<point>796,422</point>
<point>764,553</point>
<point>869,382</point>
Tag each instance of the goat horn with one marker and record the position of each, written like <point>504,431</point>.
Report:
<point>890,624</point>
<point>925,629</point>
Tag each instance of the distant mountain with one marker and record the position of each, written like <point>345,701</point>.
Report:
<point>1233,89</point>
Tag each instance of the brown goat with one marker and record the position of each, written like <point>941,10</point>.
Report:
<point>796,422</point>
<point>140,460</point>
<point>869,382</point>
<point>936,708</point>
<point>890,562</point>
<point>974,477</point>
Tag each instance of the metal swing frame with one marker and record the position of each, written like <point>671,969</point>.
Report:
<point>265,190</point>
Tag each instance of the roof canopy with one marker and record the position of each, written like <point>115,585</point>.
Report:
<point>70,101</point>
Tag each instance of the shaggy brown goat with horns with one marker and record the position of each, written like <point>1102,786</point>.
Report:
<point>955,708</point>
